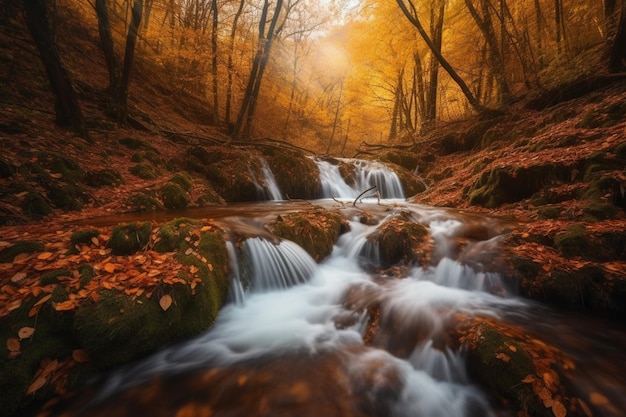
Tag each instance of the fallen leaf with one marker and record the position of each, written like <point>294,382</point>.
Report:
<point>44,255</point>
<point>503,356</point>
<point>95,241</point>
<point>109,267</point>
<point>14,305</point>
<point>25,332</point>
<point>50,367</point>
<point>80,355</point>
<point>65,306</point>
<point>56,175</point>
<point>36,385</point>
<point>165,302</point>
<point>18,277</point>
<point>512,348</point>
<point>210,267</point>
<point>598,399</point>
<point>43,300</point>
<point>188,251</point>
<point>529,379</point>
<point>559,409</point>
<point>13,345</point>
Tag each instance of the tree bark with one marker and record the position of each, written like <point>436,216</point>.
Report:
<point>617,60</point>
<point>215,113</point>
<point>231,66</point>
<point>243,126</point>
<point>444,63</point>
<point>106,43</point>
<point>121,93</point>
<point>67,109</point>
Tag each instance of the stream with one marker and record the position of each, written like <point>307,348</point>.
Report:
<point>292,340</point>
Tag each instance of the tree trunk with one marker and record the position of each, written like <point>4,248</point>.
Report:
<point>243,126</point>
<point>617,60</point>
<point>106,43</point>
<point>121,93</point>
<point>67,109</point>
<point>444,63</point>
<point>231,67</point>
<point>215,113</point>
<point>436,30</point>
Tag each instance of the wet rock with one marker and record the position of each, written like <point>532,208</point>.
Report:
<point>142,202</point>
<point>316,231</point>
<point>23,246</point>
<point>174,196</point>
<point>128,239</point>
<point>296,175</point>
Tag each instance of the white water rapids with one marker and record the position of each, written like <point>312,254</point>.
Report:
<point>292,341</point>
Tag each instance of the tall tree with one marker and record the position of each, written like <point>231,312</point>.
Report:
<point>243,126</point>
<point>67,109</point>
<point>119,76</point>
<point>230,65</point>
<point>413,17</point>
<point>214,68</point>
<point>617,60</point>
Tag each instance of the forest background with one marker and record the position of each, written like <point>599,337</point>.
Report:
<point>331,75</point>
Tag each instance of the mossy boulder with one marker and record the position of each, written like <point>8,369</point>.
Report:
<point>52,340</point>
<point>501,364</point>
<point>183,179</point>
<point>407,160</point>
<point>82,237</point>
<point>297,175</point>
<point>103,177</point>
<point>237,175</point>
<point>128,239</point>
<point>172,234</point>
<point>68,197</point>
<point>35,205</point>
<point>503,185</point>
<point>23,246</point>
<point>143,202</point>
<point>66,168</point>
<point>402,239</point>
<point>144,171</point>
<point>575,242</point>
<point>174,196</point>
<point>316,231</point>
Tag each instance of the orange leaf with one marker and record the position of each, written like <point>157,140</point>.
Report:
<point>95,241</point>
<point>210,267</point>
<point>559,409</point>
<point>18,277</point>
<point>36,385</point>
<point>50,367</point>
<point>65,306</point>
<point>528,380</point>
<point>26,332</point>
<point>13,345</point>
<point>43,300</point>
<point>503,356</point>
<point>44,255</point>
<point>109,267</point>
<point>165,302</point>
<point>598,399</point>
<point>80,355</point>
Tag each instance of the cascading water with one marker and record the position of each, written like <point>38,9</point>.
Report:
<point>267,188</point>
<point>367,174</point>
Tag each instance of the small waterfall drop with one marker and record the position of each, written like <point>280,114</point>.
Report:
<point>367,174</point>
<point>267,188</point>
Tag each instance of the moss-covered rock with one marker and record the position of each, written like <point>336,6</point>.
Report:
<point>143,202</point>
<point>35,205</point>
<point>502,364</point>
<point>23,246</point>
<point>66,168</point>
<point>407,160</point>
<point>128,239</point>
<point>183,179</point>
<point>52,340</point>
<point>402,239</point>
<point>144,171</point>
<point>575,242</point>
<point>53,277</point>
<point>511,184</point>
<point>173,196</point>
<point>87,273</point>
<point>103,177</point>
<point>316,231</point>
<point>550,212</point>
<point>296,175</point>
<point>70,197</point>
<point>172,234</point>
<point>83,237</point>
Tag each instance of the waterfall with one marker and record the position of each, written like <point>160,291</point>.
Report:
<point>270,266</point>
<point>367,174</point>
<point>290,316</point>
<point>267,187</point>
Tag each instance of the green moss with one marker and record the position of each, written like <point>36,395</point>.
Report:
<point>171,234</point>
<point>86,274</point>
<point>83,237</point>
<point>67,197</point>
<point>408,160</point>
<point>23,246</point>
<point>575,242</point>
<point>68,167</point>
<point>128,239</point>
<point>52,339</point>
<point>142,202</point>
<point>183,180</point>
<point>173,196</point>
<point>316,231</point>
<point>504,374</point>
<point>552,212</point>
<point>133,143</point>
<point>53,277</point>
<point>144,171</point>
<point>35,206</point>
<point>398,240</point>
<point>600,210</point>
<point>103,177</point>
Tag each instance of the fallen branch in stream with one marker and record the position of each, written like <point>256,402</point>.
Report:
<point>361,195</point>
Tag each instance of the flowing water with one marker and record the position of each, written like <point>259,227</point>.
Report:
<point>294,339</point>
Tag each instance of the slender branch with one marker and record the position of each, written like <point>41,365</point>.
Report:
<point>361,195</point>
